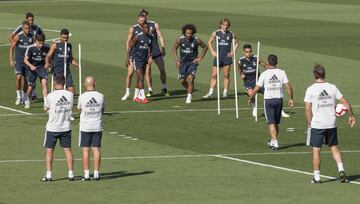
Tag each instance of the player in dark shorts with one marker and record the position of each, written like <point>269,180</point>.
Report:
<point>20,43</point>
<point>189,57</point>
<point>137,57</point>
<point>56,55</point>
<point>34,30</point>
<point>35,60</point>
<point>225,37</point>
<point>157,56</point>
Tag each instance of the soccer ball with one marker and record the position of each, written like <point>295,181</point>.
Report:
<point>340,110</point>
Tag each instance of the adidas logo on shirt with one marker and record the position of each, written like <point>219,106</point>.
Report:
<point>324,95</point>
<point>62,101</point>
<point>92,103</point>
<point>274,79</point>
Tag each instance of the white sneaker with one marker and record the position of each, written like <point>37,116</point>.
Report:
<point>275,145</point>
<point>284,115</point>
<point>18,101</point>
<point>254,112</point>
<point>127,94</point>
<point>72,118</point>
<point>27,104</point>
<point>188,99</point>
<point>208,95</point>
<point>225,95</point>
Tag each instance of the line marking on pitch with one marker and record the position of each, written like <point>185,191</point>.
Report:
<point>276,167</point>
<point>18,111</point>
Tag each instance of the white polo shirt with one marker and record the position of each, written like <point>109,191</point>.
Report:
<point>273,80</point>
<point>91,104</point>
<point>59,103</point>
<point>323,97</point>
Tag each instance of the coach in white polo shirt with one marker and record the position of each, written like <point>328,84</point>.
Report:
<point>320,101</point>
<point>91,105</point>
<point>273,80</point>
<point>59,104</point>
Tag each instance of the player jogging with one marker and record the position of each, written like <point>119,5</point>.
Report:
<point>225,37</point>
<point>189,57</point>
<point>91,106</point>
<point>35,59</point>
<point>59,105</point>
<point>273,79</point>
<point>320,101</point>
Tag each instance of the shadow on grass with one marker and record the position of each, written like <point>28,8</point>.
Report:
<point>293,145</point>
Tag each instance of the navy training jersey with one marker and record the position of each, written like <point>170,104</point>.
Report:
<point>36,56</point>
<point>34,30</point>
<point>225,42</point>
<point>142,48</point>
<point>24,42</point>
<point>248,67</point>
<point>58,57</point>
<point>188,48</point>
<point>136,30</point>
<point>156,49</point>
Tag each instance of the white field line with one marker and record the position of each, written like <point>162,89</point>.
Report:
<point>276,167</point>
<point>18,111</point>
<point>180,156</point>
<point>164,111</point>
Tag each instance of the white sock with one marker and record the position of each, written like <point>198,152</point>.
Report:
<point>340,166</point>
<point>136,93</point>
<point>189,95</point>
<point>71,174</point>
<point>150,89</point>
<point>225,91</point>
<point>317,175</point>
<point>86,173</point>
<point>48,174</point>
<point>211,91</point>
<point>18,93</point>
<point>96,174</point>
<point>141,94</point>
<point>128,90</point>
<point>163,86</point>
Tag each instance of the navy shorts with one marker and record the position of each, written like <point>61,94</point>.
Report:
<point>318,135</point>
<point>52,137</point>
<point>90,139</point>
<point>69,79</point>
<point>139,64</point>
<point>223,62</point>
<point>187,68</point>
<point>39,72</point>
<point>21,69</point>
<point>156,51</point>
<point>272,109</point>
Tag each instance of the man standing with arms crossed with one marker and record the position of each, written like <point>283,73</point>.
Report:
<point>91,106</point>
<point>320,101</point>
<point>59,104</point>
<point>273,79</point>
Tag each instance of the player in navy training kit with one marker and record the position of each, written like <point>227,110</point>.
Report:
<point>20,43</point>
<point>189,57</point>
<point>137,57</point>
<point>225,37</point>
<point>56,54</point>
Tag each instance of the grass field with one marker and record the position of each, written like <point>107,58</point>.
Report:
<point>171,152</point>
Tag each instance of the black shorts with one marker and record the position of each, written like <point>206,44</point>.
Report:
<point>69,79</point>
<point>223,62</point>
<point>138,64</point>
<point>21,69</point>
<point>272,109</point>
<point>39,72</point>
<point>52,137</point>
<point>187,68</point>
<point>90,139</point>
<point>318,135</point>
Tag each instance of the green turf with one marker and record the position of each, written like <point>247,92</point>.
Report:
<point>299,32</point>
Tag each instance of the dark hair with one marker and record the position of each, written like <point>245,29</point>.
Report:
<point>246,46</point>
<point>144,12</point>
<point>26,23</point>
<point>59,79</point>
<point>319,71</point>
<point>188,27</point>
<point>64,31</point>
<point>29,14</point>
<point>224,20</point>
<point>145,23</point>
<point>272,60</point>
<point>40,37</point>
<point>142,15</point>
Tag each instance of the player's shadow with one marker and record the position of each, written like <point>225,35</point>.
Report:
<point>354,177</point>
<point>230,96</point>
<point>119,174</point>
<point>181,93</point>
<point>286,146</point>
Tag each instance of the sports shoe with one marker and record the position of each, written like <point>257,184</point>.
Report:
<point>208,95</point>
<point>72,118</point>
<point>85,179</point>
<point>71,178</point>
<point>315,181</point>
<point>18,101</point>
<point>165,92</point>
<point>127,94</point>
<point>97,178</point>
<point>343,178</point>
<point>270,144</point>
<point>27,104</point>
<point>275,145</point>
<point>188,99</point>
<point>138,100</point>
<point>34,98</point>
<point>46,179</point>
<point>284,115</point>
<point>144,101</point>
<point>225,95</point>
<point>149,94</point>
